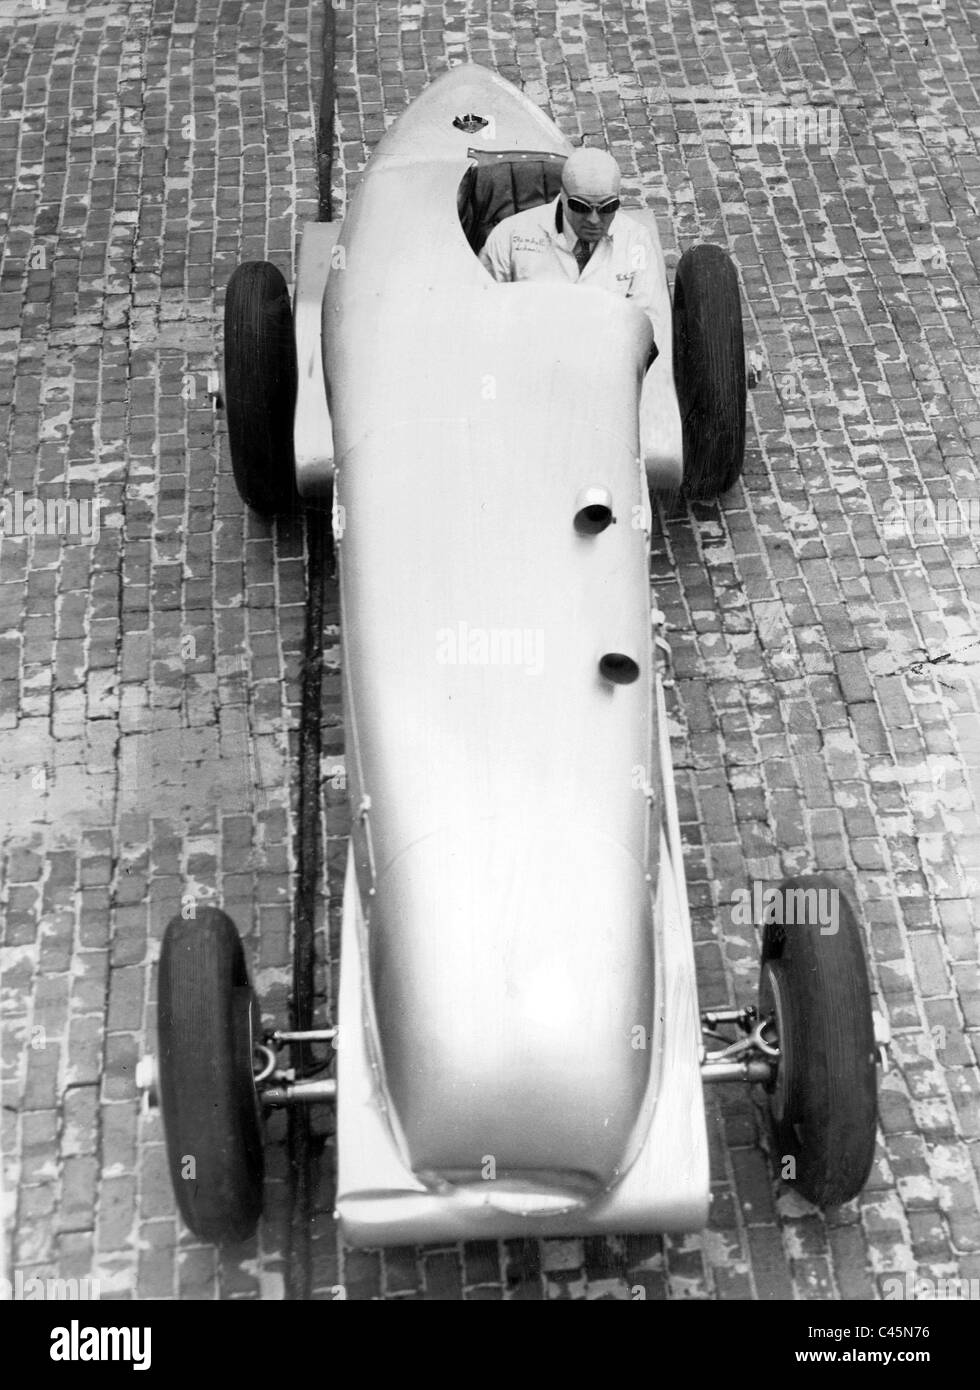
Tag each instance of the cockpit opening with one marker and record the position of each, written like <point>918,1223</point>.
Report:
<point>502,182</point>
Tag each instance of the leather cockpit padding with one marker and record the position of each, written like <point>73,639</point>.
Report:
<point>504,182</point>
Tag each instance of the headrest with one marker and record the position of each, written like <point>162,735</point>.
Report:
<point>504,182</point>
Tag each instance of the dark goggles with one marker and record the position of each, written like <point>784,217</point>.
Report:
<point>582,206</point>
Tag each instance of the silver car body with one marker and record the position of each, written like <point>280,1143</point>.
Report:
<point>519,1030</point>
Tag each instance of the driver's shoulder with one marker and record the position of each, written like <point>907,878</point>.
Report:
<point>629,228</point>
<point>534,223</point>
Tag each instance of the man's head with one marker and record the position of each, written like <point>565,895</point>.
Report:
<point>590,180</point>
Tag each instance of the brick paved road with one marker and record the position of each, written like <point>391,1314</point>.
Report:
<point>825,615</point>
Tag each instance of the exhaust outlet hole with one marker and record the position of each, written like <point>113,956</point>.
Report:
<point>618,668</point>
<point>593,510</point>
<point>593,519</point>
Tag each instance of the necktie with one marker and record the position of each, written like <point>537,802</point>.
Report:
<point>582,253</point>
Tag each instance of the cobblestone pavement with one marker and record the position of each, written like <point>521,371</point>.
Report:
<point>824,615</point>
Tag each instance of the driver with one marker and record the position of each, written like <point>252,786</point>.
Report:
<point>581,237</point>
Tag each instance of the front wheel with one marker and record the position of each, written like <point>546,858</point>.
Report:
<point>260,387</point>
<point>208,1023</point>
<point>709,370</point>
<point>814,992</point>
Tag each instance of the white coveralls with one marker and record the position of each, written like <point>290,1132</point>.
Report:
<point>529,246</point>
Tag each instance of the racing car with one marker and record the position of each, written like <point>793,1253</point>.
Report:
<point>519,1046</point>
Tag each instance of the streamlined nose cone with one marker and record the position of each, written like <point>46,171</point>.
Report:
<point>513,980</point>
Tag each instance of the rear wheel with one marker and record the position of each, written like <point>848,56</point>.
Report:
<point>814,989</point>
<point>709,370</point>
<point>208,1021</point>
<point>260,387</point>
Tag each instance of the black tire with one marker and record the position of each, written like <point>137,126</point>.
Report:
<point>207,1020</point>
<point>260,387</point>
<point>709,370</point>
<point>823,1107</point>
